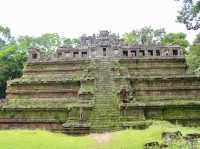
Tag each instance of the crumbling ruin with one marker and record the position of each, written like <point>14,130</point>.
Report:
<point>102,85</point>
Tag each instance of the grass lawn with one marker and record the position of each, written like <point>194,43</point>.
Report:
<point>127,139</point>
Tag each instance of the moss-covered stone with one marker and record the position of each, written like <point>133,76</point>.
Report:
<point>100,95</point>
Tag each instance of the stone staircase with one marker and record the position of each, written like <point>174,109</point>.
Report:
<point>106,114</point>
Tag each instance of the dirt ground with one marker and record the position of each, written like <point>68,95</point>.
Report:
<point>102,138</point>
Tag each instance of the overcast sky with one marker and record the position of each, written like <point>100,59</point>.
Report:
<point>72,18</point>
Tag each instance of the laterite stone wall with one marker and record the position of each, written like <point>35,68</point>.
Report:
<point>103,94</point>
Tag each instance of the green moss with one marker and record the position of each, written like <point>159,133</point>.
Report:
<point>42,115</point>
<point>87,89</point>
<point>97,95</point>
<point>48,104</point>
<point>182,113</point>
<point>43,80</point>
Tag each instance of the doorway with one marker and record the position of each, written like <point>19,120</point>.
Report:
<point>104,51</point>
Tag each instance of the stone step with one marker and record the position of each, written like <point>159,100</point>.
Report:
<point>104,97</point>
<point>103,85</point>
<point>105,93</point>
<point>105,116</point>
<point>105,110</point>
<point>103,89</point>
<point>103,100</point>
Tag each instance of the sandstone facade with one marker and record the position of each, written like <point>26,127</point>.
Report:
<point>102,85</point>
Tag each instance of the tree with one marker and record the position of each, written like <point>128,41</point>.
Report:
<point>11,64</point>
<point>193,58</point>
<point>47,42</point>
<point>131,37</point>
<point>68,42</point>
<point>13,52</point>
<point>76,41</point>
<point>5,36</point>
<point>176,39</point>
<point>13,55</point>
<point>190,14</point>
<point>145,35</point>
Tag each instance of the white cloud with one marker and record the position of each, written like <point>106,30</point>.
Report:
<point>75,17</point>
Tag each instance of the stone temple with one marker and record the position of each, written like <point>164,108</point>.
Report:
<point>102,85</point>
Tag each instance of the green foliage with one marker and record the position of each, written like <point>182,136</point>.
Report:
<point>47,42</point>
<point>13,52</point>
<point>12,58</point>
<point>145,35</point>
<point>131,37</point>
<point>176,39</point>
<point>68,42</point>
<point>193,58</point>
<point>189,14</point>
<point>87,89</point>
<point>11,64</point>
<point>5,36</point>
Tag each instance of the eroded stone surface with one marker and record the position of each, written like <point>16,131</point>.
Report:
<point>103,84</point>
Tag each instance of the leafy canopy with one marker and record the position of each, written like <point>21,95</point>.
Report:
<point>176,39</point>
<point>193,58</point>
<point>190,14</point>
<point>13,52</point>
<point>145,35</point>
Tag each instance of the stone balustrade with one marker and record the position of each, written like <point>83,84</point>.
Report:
<point>115,52</point>
<point>106,45</point>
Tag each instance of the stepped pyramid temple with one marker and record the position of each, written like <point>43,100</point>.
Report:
<point>101,85</point>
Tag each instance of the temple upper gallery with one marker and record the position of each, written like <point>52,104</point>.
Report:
<point>107,44</point>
